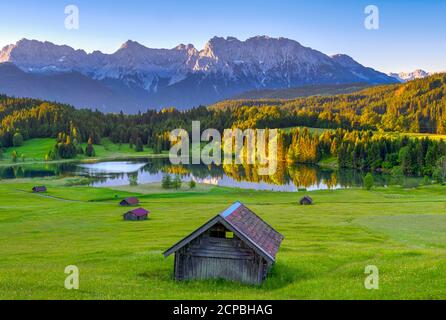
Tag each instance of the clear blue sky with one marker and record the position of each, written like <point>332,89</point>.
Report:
<point>411,34</point>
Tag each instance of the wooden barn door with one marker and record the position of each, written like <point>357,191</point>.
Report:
<point>203,268</point>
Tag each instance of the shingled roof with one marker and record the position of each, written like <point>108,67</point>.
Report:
<point>254,228</point>
<point>39,189</point>
<point>139,212</point>
<point>247,226</point>
<point>129,202</point>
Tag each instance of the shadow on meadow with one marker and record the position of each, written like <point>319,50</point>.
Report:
<point>281,275</point>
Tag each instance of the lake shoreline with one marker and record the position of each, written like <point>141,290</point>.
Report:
<point>117,171</point>
<point>84,160</point>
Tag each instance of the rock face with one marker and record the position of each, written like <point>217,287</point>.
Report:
<point>182,76</point>
<point>409,76</point>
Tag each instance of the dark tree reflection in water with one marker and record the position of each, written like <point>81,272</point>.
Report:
<point>287,177</point>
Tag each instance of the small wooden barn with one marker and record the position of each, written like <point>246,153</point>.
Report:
<point>136,214</point>
<point>129,202</point>
<point>306,201</point>
<point>39,189</point>
<point>235,245</point>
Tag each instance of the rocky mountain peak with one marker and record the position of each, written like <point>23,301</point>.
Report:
<point>408,76</point>
<point>130,44</point>
<point>225,67</point>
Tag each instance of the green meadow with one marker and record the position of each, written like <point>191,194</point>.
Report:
<point>35,150</point>
<point>326,248</point>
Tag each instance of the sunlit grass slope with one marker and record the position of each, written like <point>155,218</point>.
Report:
<point>326,246</point>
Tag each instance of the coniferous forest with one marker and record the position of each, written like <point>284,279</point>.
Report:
<point>357,138</point>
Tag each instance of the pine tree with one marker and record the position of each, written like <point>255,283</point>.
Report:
<point>166,183</point>
<point>17,139</point>
<point>89,150</point>
<point>369,181</point>
<point>133,179</point>
<point>177,182</point>
<point>158,145</point>
<point>139,146</point>
<point>440,171</point>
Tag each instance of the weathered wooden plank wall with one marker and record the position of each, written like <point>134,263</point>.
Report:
<point>209,257</point>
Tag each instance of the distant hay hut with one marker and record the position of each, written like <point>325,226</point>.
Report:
<point>236,245</point>
<point>136,215</point>
<point>129,202</point>
<point>39,189</point>
<point>306,201</point>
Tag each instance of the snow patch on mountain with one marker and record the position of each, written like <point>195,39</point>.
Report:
<point>409,76</point>
<point>224,67</point>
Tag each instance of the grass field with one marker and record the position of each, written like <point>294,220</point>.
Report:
<point>35,150</point>
<point>326,246</point>
<point>109,149</point>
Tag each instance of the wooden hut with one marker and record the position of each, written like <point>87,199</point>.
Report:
<point>129,202</point>
<point>306,201</point>
<point>235,245</point>
<point>39,189</point>
<point>136,214</point>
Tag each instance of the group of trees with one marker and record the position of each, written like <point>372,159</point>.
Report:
<point>366,150</point>
<point>65,148</point>
<point>414,156</point>
<point>169,183</point>
<point>417,106</point>
<point>38,119</point>
<point>68,146</point>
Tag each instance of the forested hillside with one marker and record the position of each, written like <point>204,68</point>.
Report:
<point>305,91</point>
<point>418,106</point>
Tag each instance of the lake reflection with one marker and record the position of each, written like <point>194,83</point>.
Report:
<point>112,167</point>
<point>245,177</point>
<point>117,173</point>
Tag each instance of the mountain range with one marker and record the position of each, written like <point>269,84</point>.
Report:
<point>409,76</point>
<point>136,77</point>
